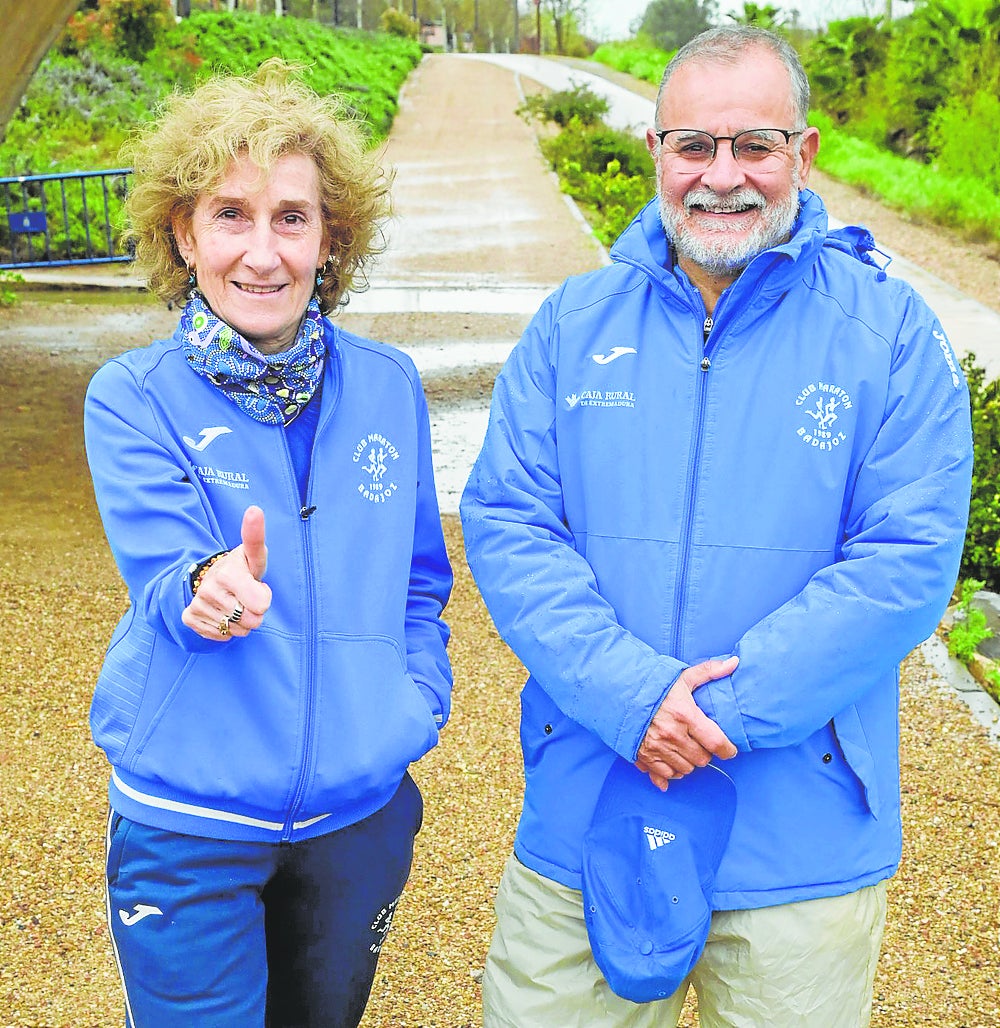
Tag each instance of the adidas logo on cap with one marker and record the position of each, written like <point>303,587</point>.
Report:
<point>657,837</point>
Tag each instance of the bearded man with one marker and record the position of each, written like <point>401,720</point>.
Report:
<point>722,494</point>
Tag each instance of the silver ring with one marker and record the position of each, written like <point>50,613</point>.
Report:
<point>237,613</point>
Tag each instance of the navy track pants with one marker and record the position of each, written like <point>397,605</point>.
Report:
<point>228,934</point>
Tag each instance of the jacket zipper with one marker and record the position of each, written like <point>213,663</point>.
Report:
<point>305,769</point>
<point>305,515</point>
<point>694,465</point>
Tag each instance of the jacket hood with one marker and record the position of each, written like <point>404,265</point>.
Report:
<point>856,241</point>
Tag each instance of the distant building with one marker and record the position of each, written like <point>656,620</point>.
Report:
<point>433,33</point>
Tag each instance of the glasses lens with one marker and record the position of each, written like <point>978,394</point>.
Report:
<point>759,148</point>
<point>692,149</point>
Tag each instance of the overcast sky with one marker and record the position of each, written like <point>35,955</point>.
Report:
<point>613,19</point>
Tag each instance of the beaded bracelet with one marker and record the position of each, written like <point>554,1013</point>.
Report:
<point>199,570</point>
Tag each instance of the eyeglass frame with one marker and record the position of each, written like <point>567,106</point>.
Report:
<point>661,134</point>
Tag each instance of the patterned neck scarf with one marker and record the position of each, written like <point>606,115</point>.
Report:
<point>272,389</point>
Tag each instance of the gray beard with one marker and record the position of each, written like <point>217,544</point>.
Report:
<point>718,255</point>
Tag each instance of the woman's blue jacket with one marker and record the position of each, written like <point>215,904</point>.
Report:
<point>309,723</point>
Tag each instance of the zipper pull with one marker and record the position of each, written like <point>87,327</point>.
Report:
<point>306,512</point>
<point>706,328</point>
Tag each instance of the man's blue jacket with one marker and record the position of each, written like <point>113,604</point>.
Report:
<point>788,482</point>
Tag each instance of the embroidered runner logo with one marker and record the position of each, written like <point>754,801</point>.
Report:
<point>824,405</point>
<point>374,454</point>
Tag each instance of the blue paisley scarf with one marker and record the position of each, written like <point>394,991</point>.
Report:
<point>272,389</point>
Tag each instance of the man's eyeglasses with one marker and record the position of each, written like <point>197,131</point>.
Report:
<point>758,150</point>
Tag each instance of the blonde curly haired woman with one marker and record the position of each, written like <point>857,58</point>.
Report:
<point>265,482</point>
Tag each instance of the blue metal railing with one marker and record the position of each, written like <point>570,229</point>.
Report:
<point>60,219</point>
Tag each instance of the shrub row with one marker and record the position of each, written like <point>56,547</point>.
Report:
<point>607,172</point>
<point>92,89</point>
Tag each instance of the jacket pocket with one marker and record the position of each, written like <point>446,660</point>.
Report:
<point>223,727</point>
<point>853,740</point>
<point>121,685</point>
<point>540,723</point>
<point>372,720</point>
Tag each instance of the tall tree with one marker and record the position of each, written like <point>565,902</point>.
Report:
<point>672,23</point>
<point>565,15</point>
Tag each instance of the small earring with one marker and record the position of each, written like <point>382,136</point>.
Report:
<point>331,263</point>
<point>192,281</point>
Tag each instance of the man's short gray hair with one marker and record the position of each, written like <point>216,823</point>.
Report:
<point>728,44</point>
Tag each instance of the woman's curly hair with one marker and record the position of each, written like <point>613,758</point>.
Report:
<point>188,150</point>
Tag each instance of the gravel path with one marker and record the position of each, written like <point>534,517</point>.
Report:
<point>61,595</point>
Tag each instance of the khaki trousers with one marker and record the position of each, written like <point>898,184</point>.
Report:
<point>800,965</point>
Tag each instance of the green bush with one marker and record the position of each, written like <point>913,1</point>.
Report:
<point>580,104</point>
<point>608,173</point>
<point>964,203</point>
<point>135,25</point>
<point>594,146</point>
<point>969,627</point>
<point>76,112</point>
<point>842,64</point>
<point>395,23</point>
<point>367,68</point>
<point>981,555</point>
<point>610,197</point>
<point>914,82</point>
<point>638,58</point>
<point>964,136</point>
<point>8,297</point>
